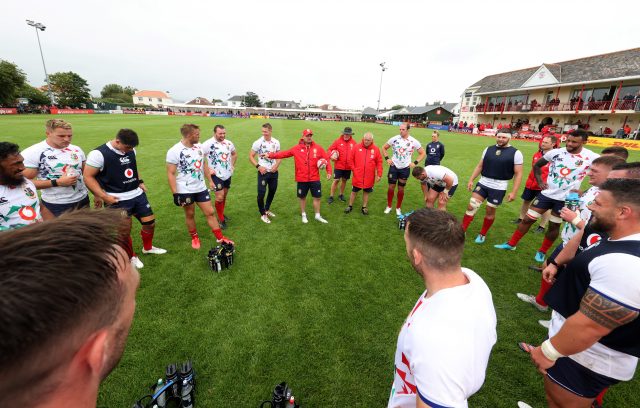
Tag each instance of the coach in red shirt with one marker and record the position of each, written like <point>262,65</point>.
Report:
<point>309,157</point>
<point>367,170</point>
<point>340,152</point>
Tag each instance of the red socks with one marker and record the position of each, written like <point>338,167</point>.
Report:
<point>218,233</point>
<point>486,224</point>
<point>389,197</point>
<point>194,234</point>
<point>544,288</point>
<point>127,244</point>
<point>220,210</point>
<point>546,244</point>
<point>400,198</point>
<point>515,238</point>
<point>466,220</point>
<point>147,239</point>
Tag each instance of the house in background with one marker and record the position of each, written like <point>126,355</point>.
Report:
<point>152,98</point>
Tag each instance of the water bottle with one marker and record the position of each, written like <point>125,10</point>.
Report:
<point>572,201</point>
<point>187,381</point>
<point>292,402</point>
<point>159,394</point>
<point>171,375</point>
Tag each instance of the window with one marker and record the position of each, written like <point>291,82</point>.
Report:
<point>150,99</point>
<point>160,100</point>
<point>140,98</point>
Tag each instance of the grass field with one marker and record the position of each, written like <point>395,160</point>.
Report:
<point>318,306</point>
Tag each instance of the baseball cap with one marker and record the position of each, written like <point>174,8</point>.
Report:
<point>307,132</point>
<point>347,131</point>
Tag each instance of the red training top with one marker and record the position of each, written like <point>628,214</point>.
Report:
<point>344,149</point>
<point>306,160</point>
<point>366,161</point>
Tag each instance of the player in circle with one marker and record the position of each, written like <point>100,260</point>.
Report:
<point>187,170</point>
<point>221,154</point>
<point>400,164</point>
<point>112,175</point>
<point>19,204</point>
<point>340,152</point>
<point>267,170</point>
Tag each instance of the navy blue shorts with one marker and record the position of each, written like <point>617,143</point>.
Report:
<point>199,197</point>
<point>555,252</point>
<point>493,196</point>
<point>58,209</point>
<point>396,174</point>
<point>578,379</point>
<point>440,189</point>
<point>219,184</point>
<point>341,174</point>
<point>138,206</point>
<point>366,190</point>
<point>529,194</point>
<point>305,186</point>
<point>544,203</point>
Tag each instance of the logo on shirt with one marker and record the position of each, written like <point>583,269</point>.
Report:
<point>52,158</point>
<point>27,213</point>
<point>3,200</point>
<point>498,152</point>
<point>128,173</point>
<point>29,192</point>
<point>125,160</point>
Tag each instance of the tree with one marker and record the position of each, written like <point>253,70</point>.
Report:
<point>129,90</point>
<point>111,89</point>
<point>34,95</point>
<point>70,89</point>
<point>269,104</point>
<point>252,100</point>
<point>396,107</point>
<point>12,79</point>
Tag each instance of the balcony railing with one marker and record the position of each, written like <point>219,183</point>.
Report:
<point>561,106</point>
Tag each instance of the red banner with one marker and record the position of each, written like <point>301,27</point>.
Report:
<point>8,111</point>
<point>56,111</point>
<point>132,112</point>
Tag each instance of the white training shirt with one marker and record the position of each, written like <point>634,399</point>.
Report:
<point>616,277</point>
<point>566,171</point>
<point>402,150</point>
<point>219,157</point>
<point>19,206</point>
<point>95,159</point>
<point>52,164</point>
<point>500,184</point>
<point>189,162</point>
<point>435,176</point>
<point>568,229</point>
<point>444,345</point>
<point>262,146</point>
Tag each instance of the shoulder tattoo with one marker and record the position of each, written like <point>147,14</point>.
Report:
<point>606,312</point>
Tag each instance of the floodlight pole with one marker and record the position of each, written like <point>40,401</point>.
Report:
<point>384,68</point>
<point>41,27</point>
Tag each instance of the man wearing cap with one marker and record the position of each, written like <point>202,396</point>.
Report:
<point>309,158</point>
<point>340,152</point>
<point>499,164</point>
<point>367,170</point>
<point>403,146</point>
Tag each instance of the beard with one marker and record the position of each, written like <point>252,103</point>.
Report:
<point>601,224</point>
<point>11,180</point>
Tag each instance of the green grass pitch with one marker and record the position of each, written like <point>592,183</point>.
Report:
<point>318,306</point>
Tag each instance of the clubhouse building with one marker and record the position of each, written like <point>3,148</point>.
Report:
<point>600,93</point>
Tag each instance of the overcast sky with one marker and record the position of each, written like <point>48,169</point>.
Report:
<point>314,51</point>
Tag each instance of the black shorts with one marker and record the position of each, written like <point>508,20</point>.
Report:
<point>305,186</point>
<point>138,206</point>
<point>396,174</point>
<point>529,194</point>
<point>578,379</point>
<point>58,209</point>
<point>440,189</point>
<point>199,197</point>
<point>544,203</point>
<point>555,252</point>
<point>267,180</point>
<point>219,184</point>
<point>494,197</point>
<point>341,174</point>
<point>366,190</point>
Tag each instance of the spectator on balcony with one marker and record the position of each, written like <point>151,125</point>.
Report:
<point>627,130</point>
<point>534,103</point>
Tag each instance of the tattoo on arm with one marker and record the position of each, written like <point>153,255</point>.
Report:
<point>605,312</point>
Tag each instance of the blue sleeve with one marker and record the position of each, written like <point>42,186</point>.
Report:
<point>442,152</point>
